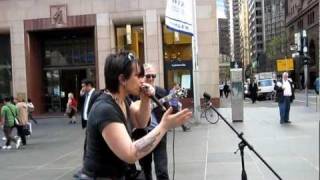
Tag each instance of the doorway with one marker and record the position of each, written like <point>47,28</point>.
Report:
<point>60,82</point>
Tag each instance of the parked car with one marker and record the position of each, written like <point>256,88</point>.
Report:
<point>266,89</point>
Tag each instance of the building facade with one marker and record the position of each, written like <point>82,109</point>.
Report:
<point>224,49</point>
<point>256,32</point>
<point>224,36</point>
<point>48,47</point>
<point>275,35</point>
<point>244,34</point>
<point>236,31</point>
<point>304,15</point>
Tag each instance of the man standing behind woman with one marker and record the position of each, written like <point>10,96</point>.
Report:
<point>159,154</point>
<point>285,95</point>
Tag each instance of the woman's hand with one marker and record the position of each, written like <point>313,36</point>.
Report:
<point>170,121</point>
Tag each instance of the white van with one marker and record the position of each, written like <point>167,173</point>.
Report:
<point>266,88</point>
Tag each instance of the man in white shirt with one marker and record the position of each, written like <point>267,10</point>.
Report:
<point>88,95</point>
<point>285,95</point>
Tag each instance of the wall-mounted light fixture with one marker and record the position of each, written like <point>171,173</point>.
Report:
<point>176,36</point>
<point>128,33</point>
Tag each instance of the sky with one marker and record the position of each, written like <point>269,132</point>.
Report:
<point>220,9</point>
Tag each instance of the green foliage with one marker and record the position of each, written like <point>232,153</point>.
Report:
<point>275,47</point>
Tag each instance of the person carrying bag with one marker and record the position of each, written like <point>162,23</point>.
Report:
<point>8,118</point>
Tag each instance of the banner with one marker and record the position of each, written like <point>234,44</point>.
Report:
<point>179,16</point>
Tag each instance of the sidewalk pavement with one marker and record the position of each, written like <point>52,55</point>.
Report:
<point>205,153</point>
<point>292,150</point>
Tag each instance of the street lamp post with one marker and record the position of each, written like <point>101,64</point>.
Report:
<point>305,62</point>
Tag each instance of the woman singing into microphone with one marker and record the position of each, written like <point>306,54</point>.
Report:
<point>110,148</point>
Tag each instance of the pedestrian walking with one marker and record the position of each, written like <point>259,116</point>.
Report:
<point>71,108</point>
<point>253,88</point>
<point>226,89</point>
<point>8,117</point>
<point>22,117</point>
<point>284,96</point>
<point>221,89</point>
<point>30,111</point>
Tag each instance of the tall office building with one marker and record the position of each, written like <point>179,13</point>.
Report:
<point>274,23</point>
<point>256,32</point>
<point>274,18</point>
<point>304,15</point>
<point>224,43</point>
<point>224,36</point>
<point>236,31</point>
<point>244,33</point>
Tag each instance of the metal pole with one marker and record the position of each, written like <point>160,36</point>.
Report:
<point>195,68</point>
<point>306,83</point>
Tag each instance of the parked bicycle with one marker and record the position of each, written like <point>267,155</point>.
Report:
<point>207,112</point>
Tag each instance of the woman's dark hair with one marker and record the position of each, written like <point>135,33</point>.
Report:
<point>117,64</point>
<point>142,72</point>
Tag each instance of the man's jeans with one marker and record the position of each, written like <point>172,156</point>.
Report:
<point>160,161</point>
<point>7,133</point>
<point>284,108</point>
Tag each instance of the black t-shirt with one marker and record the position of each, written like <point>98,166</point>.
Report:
<point>99,160</point>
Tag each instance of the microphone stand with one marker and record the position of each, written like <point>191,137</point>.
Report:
<point>244,143</point>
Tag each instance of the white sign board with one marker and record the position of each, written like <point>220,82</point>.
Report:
<point>186,81</point>
<point>179,16</point>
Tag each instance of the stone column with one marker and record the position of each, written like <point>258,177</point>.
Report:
<point>208,54</point>
<point>153,46</point>
<point>103,38</point>
<point>19,80</point>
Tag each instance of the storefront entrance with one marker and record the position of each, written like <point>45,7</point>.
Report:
<point>58,83</point>
<point>60,60</point>
<point>179,72</point>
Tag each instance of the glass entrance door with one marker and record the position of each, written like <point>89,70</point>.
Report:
<point>59,83</point>
<point>52,91</point>
<point>71,83</point>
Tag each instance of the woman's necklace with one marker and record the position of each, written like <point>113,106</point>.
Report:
<point>120,103</point>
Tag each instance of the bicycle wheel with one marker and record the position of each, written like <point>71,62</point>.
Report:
<point>211,116</point>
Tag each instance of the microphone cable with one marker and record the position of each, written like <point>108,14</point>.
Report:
<point>173,156</point>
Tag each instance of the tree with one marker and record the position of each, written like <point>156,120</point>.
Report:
<point>275,49</point>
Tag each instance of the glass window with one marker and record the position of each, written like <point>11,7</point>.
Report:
<point>131,38</point>
<point>264,83</point>
<point>176,46</point>
<point>5,66</point>
<point>258,4</point>
<point>68,51</point>
<point>258,13</point>
<point>259,29</point>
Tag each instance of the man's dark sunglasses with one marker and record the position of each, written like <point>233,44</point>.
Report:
<point>151,75</point>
